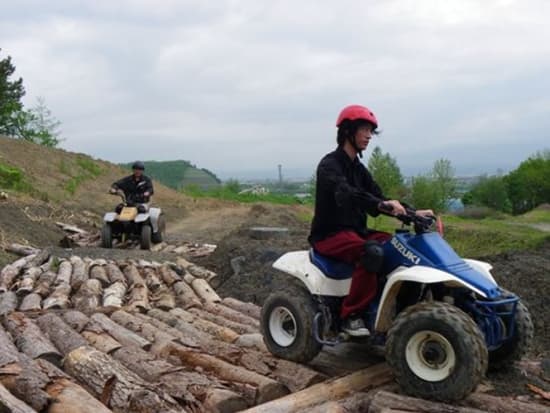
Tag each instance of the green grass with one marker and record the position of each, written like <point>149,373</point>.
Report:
<point>13,178</point>
<point>87,169</point>
<point>482,237</point>
<point>229,195</point>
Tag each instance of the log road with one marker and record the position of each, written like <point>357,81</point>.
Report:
<point>95,335</point>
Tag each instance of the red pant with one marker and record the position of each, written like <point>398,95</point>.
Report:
<point>348,246</point>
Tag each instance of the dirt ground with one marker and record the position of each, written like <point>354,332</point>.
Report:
<point>243,263</point>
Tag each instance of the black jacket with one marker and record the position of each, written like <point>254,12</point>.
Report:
<point>345,193</point>
<point>134,189</point>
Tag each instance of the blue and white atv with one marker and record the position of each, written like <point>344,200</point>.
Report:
<point>444,319</point>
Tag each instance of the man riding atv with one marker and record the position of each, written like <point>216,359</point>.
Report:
<point>345,193</point>
<point>137,188</point>
<point>134,218</point>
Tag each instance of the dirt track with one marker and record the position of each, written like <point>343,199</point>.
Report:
<point>244,263</point>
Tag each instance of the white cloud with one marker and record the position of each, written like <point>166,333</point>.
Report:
<point>245,85</point>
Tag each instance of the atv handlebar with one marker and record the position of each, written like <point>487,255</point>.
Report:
<point>421,223</point>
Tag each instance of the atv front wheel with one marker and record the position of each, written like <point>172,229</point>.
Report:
<point>158,236</point>
<point>436,352</point>
<point>514,349</point>
<point>287,324</point>
<point>107,236</point>
<point>145,242</point>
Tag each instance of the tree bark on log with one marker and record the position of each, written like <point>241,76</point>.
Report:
<point>164,299</point>
<point>113,296</point>
<point>44,285</point>
<point>99,273</point>
<point>185,295</point>
<point>139,294</point>
<point>120,333</point>
<point>196,270</point>
<point>233,315</point>
<point>495,404</point>
<point>205,291</point>
<point>153,369</point>
<point>30,340</point>
<point>293,375</point>
<point>384,399</point>
<point>114,274</point>
<point>151,279</point>
<point>59,298</point>
<point>329,390</point>
<point>60,333</point>
<point>76,320</point>
<point>166,346</point>
<point>20,376</point>
<point>26,283</point>
<point>64,273</point>
<point>22,250</point>
<point>101,341</point>
<point>168,275</point>
<point>11,404</point>
<point>80,272</point>
<point>219,332</point>
<point>222,321</point>
<point>10,271</point>
<point>68,397</point>
<point>88,296</point>
<point>118,387</point>
<point>8,302</point>
<point>31,302</point>
<point>249,309</point>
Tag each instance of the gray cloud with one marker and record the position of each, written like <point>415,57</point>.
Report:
<point>240,86</point>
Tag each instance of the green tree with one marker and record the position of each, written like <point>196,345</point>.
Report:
<point>11,92</point>
<point>435,189</point>
<point>233,186</point>
<point>38,125</point>
<point>529,185</point>
<point>386,173</point>
<point>490,192</point>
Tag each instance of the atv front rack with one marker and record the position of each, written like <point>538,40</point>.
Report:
<point>495,319</point>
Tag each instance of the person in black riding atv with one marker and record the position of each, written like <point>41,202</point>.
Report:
<point>345,193</point>
<point>137,188</point>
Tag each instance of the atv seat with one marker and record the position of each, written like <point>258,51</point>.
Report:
<point>332,268</point>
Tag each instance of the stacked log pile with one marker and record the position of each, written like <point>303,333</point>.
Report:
<point>83,335</point>
<point>78,237</point>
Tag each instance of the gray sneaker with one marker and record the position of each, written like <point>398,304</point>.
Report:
<point>355,326</point>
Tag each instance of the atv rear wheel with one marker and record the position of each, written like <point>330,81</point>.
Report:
<point>145,242</point>
<point>286,323</point>
<point>514,349</point>
<point>107,236</point>
<point>436,352</point>
<point>158,236</point>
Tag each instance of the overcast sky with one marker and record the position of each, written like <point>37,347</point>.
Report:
<point>241,86</point>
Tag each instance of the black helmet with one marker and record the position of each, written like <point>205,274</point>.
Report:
<point>138,165</point>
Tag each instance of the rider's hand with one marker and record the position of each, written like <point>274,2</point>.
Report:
<point>396,207</point>
<point>426,213</point>
<point>113,191</point>
<point>146,193</point>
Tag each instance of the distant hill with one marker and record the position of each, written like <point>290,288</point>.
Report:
<point>179,174</point>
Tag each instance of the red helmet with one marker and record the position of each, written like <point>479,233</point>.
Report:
<point>355,112</point>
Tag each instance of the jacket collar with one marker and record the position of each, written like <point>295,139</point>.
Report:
<point>343,157</point>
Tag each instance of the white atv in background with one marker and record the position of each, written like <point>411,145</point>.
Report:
<point>130,224</point>
<point>443,319</point>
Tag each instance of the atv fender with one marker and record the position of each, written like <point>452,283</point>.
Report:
<point>422,275</point>
<point>140,218</point>
<point>154,214</point>
<point>484,268</point>
<point>110,217</point>
<point>298,264</point>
